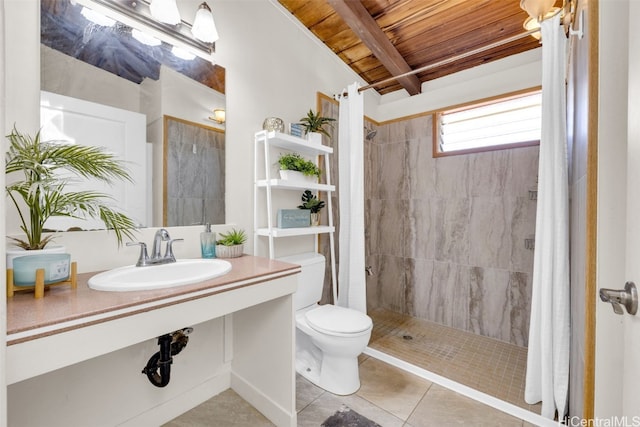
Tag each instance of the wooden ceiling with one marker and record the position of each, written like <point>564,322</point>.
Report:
<point>379,39</point>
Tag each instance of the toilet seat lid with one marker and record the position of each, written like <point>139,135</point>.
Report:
<point>333,319</point>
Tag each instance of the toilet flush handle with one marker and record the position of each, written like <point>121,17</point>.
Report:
<point>369,270</point>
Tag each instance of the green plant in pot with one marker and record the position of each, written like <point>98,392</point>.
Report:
<point>42,192</point>
<point>231,244</point>
<point>314,123</point>
<point>311,202</point>
<point>295,162</point>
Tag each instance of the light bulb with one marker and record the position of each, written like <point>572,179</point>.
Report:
<point>165,11</point>
<point>204,28</point>
<point>145,38</point>
<point>219,115</point>
<point>533,23</point>
<point>182,54</point>
<point>536,8</point>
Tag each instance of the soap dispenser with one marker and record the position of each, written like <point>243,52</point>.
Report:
<point>208,242</point>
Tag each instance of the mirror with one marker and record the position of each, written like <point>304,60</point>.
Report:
<point>194,157</point>
<point>108,66</point>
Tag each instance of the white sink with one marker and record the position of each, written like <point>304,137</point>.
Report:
<point>181,272</point>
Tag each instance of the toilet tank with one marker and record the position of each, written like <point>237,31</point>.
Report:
<point>310,280</point>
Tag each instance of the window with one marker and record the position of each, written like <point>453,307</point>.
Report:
<point>505,122</point>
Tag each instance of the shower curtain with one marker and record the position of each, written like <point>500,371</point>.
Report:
<point>351,273</point>
<point>548,355</point>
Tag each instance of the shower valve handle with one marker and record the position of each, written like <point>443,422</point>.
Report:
<point>627,297</point>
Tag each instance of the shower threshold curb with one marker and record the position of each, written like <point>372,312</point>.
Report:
<point>462,389</point>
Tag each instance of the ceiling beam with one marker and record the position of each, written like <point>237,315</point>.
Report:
<point>362,23</point>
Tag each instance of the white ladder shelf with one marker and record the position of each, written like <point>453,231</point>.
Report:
<point>263,181</point>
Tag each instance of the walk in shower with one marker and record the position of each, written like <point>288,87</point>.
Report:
<point>450,245</point>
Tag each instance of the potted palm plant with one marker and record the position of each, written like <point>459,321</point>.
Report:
<point>314,124</point>
<point>231,244</point>
<point>41,192</point>
<point>311,202</point>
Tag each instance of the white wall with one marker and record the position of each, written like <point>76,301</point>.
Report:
<point>65,75</point>
<point>510,74</point>
<point>18,104</point>
<point>613,65</point>
<point>3,297</point>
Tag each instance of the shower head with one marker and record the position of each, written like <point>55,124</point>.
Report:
<point>371,133</point>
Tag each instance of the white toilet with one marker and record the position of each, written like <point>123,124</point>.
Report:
<point>329,338</point>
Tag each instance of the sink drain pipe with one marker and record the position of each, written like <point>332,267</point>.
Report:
<point>158,368</point>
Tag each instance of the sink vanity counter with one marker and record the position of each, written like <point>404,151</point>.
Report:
<point>253,304</point>
<point>63,308</point>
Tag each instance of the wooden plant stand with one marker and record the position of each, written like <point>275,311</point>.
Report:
<point>39,285</point>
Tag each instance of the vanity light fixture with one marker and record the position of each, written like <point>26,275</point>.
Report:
<point>204,28</point>
<point>139,15</point>
<point>219,116</point>
<point>165,11</point>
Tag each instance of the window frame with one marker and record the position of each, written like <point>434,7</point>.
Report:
<point>472,104</point>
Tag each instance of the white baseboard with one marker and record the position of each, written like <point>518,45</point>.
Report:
<point>182,403</point>
<point>270,409</point>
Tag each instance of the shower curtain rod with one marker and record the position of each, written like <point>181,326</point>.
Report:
<point>466,54</point>
<point>449,60</point>
<point>455,58</point>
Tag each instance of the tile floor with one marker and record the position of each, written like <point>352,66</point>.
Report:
<point>493,367</point>
<point>388,396</point>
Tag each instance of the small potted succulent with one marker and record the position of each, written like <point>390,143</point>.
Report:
<point>313,124</point>
<point>231,244</point>
<point>311,202</point>
<point>303,169</point>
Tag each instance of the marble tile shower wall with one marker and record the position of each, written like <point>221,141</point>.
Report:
<point>196,164</point>
<point>446,236</point>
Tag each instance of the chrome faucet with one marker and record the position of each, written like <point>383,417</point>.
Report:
<point>156,258</point>
<point>161,235</point>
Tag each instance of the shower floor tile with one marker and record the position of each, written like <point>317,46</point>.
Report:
<point>488,365</point>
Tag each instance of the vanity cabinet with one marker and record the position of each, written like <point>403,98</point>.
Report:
<point>76,354</point>
<point>266,184</point>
